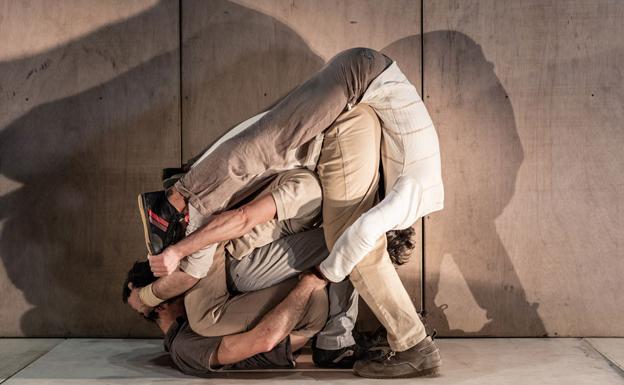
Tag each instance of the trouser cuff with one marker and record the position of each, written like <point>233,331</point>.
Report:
<point>406,343</point>
<point>334,343</point>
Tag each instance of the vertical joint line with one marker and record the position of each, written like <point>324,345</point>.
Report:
<point>422,92</point>
<point>180,79</point>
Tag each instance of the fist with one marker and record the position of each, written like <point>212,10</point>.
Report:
<point>164,263</point>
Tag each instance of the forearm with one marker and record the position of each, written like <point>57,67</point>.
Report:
<point>281,320</point>
<point>173,285</point>
<point>223,227</point>
<point>228,225</point>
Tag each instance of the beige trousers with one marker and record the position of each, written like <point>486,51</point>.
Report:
<point>212,311</point>
<point>348,169</point>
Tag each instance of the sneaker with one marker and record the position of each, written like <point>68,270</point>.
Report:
<point>162,223</point>
<point>336,359</point>
<point>421,360</point>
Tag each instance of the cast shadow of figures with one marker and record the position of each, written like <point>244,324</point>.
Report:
<point>70,227</point>
<point>70,230</point>
<point>481,156</point>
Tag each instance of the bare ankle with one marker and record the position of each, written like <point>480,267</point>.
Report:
<point>176,199</point>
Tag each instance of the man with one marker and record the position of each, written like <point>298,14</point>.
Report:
<point>271,238</point>
<point>288,136</point>
<point>282,319</point>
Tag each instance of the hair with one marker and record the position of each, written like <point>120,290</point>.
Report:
<point>400,245</point>
<point>139,275</point>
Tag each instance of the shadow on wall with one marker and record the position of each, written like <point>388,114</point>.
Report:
<point>481,156</point>
<point>70,231</point>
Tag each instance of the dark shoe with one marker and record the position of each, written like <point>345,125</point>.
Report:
<point>336,359</point>
<point>162,223</point>
<point>420,360</point>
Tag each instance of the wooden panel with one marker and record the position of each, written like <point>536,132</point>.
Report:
<point>85,125</point>
<point>239,58</point>
<point>528,100</point>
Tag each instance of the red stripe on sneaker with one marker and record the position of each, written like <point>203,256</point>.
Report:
<point>157,224</point>
<point>157,218</point>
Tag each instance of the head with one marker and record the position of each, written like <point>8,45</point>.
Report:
<point>140,275</point>
<point>400,245</point>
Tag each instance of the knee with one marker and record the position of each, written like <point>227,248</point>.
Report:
<point>359,54</point>
<point>319,308</point>
<point>316,314</point>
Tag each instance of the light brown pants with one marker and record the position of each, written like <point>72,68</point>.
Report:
<point>348,169</point>
<point>213,311</point>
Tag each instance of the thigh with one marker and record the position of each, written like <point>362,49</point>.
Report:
<point>242,312</point>
<point>277,261</point>
<point>348,169</point>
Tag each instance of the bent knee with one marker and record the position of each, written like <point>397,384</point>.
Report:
<point>358,54</point>
<point>315,316</point>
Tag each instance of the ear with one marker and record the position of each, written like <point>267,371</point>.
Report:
<point>130,285</point>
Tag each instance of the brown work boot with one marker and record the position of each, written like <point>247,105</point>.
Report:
<point>420,360</point>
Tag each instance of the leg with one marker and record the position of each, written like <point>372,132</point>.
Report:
<point>280,260</point>
<point>343,311</point>
<point>261,149</point>
<point>242,312</point>
<point>350,178</point>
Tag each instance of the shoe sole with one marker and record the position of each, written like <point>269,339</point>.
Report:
<point>431,372</point>
<point>148,243</point>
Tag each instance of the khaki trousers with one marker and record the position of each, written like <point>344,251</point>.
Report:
<point>348,169</point>
<point>212,311</point>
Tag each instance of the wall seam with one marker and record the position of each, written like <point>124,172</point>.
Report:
<point>422,224</point>
<point>181,96</point>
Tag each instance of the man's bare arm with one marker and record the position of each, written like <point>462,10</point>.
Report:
<point>223,227</point>
<point>272,328</point>
<point>172,285</point>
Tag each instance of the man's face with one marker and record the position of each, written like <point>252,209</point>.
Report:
<point>135,302</point>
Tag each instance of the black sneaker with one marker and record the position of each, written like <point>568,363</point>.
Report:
<point>336,359</point>
<point>162,223</point>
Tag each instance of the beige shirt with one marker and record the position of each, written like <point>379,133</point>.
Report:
<point>298,199</point>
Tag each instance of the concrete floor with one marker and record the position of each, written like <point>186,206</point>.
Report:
<point>465,361</point>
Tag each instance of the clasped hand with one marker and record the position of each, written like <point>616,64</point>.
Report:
<point>164,263</point>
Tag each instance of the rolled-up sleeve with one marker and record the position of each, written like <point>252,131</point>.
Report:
<point>297,194</point>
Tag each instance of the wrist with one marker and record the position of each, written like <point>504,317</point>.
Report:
<point>177,252</point>
<point>147,296</point>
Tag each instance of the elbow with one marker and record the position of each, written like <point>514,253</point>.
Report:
<point>244,222</point>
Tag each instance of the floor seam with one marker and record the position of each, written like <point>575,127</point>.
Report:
<point>2,381</point>
<point>610,360</point>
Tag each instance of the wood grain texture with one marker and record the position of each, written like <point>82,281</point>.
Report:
<point>528,101</point>
<point>241,57</point>
<point>85,125</point>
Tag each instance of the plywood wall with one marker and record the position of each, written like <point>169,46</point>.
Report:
<point>89,113</point>
<point>528,100</point>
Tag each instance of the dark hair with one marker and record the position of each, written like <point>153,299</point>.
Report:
<point>140,275</point>
<point>400,245</point>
